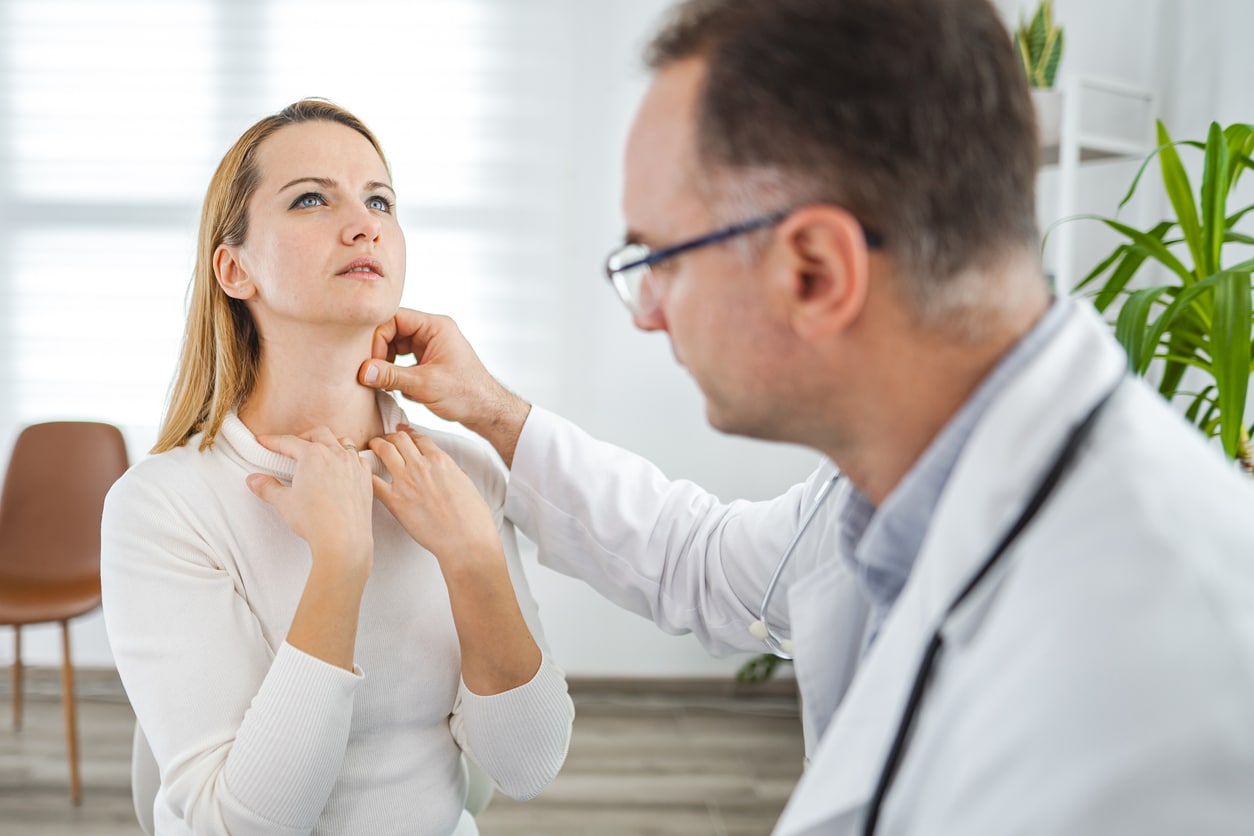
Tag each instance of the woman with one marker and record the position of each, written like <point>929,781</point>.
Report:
<point>301,657</point>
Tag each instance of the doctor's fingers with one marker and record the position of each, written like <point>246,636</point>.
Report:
<point>408,332</point>
<point>414,382</point>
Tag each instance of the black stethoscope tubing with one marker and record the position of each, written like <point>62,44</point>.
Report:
<point>1066,456</point>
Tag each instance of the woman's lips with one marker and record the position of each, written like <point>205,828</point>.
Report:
<point>365,268</point>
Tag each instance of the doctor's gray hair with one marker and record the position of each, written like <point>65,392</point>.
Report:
<point>914,115</point>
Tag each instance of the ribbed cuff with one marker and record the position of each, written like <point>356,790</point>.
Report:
<point>520,737</point>
<point>290,747</point>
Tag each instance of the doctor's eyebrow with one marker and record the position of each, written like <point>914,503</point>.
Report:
<point>328,183</point>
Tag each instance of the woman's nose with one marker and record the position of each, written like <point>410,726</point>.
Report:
<point>363,225</point>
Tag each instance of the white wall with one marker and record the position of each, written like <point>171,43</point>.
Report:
<point>619,384</point>
<point>623,386</point>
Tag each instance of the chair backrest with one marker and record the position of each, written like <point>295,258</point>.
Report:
<point>53,497</point>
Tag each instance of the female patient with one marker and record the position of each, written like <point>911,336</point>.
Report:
<point>301,657</point>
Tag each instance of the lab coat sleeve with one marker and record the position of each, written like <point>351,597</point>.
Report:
<point>666,550</point>
<point>250,741</point>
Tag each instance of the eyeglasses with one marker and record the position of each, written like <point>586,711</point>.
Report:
<point>632,264</point>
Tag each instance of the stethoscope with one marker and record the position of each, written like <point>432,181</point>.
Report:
<point>761,629</point>
<point>783,647</point>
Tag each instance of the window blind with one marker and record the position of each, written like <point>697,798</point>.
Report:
<point>114,115</point>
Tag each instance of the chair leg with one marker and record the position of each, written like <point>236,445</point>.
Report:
<point>17,677</point>
<point>71,723</point>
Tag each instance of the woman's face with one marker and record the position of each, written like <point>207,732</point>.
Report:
<point>323,245</point>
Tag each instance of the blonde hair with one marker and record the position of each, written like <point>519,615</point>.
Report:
<point>221,352</point>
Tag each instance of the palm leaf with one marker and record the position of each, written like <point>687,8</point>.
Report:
<point>1230,332</point>
<point>1130,329</point>
<point>1180,193</point>
<point>1214,198</point>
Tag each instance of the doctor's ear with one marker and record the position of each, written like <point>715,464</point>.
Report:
<point>825,268</point>
<point>230,273</point>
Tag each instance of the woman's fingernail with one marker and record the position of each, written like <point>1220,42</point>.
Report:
<point>372,374</point>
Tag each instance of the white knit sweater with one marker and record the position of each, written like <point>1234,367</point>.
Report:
<point>201,580</point>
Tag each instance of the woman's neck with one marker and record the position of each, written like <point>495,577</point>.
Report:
<point>307,379</point>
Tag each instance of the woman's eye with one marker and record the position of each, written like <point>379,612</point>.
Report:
<point>309,200</point>
<point>379,203</point>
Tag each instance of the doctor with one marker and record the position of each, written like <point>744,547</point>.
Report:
<point>1029,607</point>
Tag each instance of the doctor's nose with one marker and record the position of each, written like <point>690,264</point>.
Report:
<point>653,320</point>
<point>647,314</point>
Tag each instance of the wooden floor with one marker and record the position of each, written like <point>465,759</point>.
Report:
<point>691,762</point>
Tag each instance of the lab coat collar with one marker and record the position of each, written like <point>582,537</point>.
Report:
<point>1013,444</point>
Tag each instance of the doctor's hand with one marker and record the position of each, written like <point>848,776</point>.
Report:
<point>435,501</point>
<point>449,379</point>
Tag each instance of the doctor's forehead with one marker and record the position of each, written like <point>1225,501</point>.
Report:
<point>660,195</point>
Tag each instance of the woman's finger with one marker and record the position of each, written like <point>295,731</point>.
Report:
<point>285,445</point>
<point>322,435</point>
<point>382,488</point>
<point>265,487</point>
<point>404,445</point>
<point>425,445</point>
<point>388,454</point>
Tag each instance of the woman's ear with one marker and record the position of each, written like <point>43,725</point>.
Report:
<point>825,259</point>
<point>230,273</point>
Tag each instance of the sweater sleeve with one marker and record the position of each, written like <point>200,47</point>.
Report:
<point>519,737</point>
<point>248,740</point>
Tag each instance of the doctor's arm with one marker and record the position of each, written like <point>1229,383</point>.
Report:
<point>666,550</point>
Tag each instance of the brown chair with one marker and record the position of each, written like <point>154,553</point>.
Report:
<point>50,542</point>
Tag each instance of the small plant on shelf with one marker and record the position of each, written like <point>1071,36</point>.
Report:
<point>1039,45</point>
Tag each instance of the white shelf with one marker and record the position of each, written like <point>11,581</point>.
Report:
<point>1096,148</point>
<point>1067,143</point>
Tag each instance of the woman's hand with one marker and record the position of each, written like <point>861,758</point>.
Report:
<point>433,499</point>
<point>329,502</point>
<point>329,506</point>
<point>441,509</point>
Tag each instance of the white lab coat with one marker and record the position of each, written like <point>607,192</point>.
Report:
<point>1099,681</point>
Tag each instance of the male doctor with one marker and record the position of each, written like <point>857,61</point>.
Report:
<point>1030,606</point>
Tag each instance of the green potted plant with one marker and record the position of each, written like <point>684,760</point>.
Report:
<point>1193,331</point>
<point>1039,44</point>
